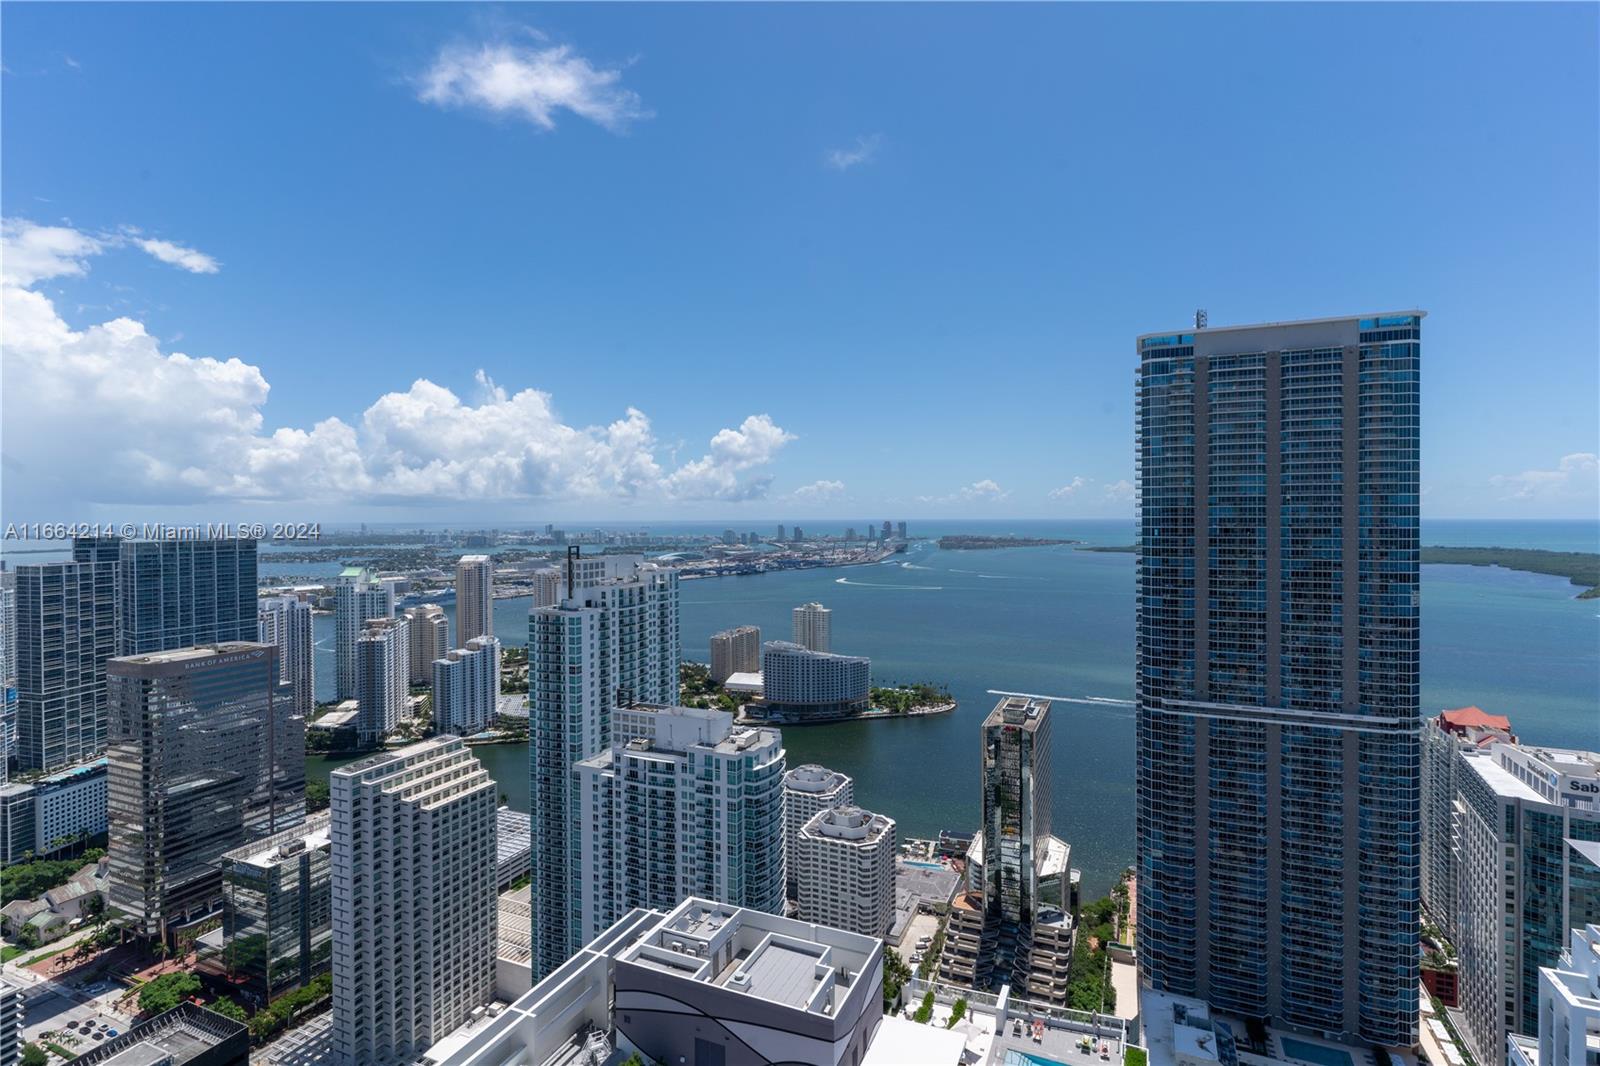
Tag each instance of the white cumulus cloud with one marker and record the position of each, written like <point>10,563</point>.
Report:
<point>1070,489</point>
<point>529,82</point>
<point>818,490</point>
<point>862,151</point>
<point>177,255</point>
<point>1575,477</point>
<point>979,491</point>
<point>1120,491</point>
<point>103,415</point>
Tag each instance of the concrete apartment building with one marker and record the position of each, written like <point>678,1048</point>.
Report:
<point>797,682</point>
<point>807,791</point>
<point>813,626</point>
<point>466,686</point>
<point>357,597</point>
<point>383,677</point>
<point>735,651</point>
<point>413,871</point>
<point>685,803</point>
<point>1445,737</point>
<point>474,598</point>
<point>41,817</point>
<point>429,631</point>
<point>845,870</point>
<point>286,621</point>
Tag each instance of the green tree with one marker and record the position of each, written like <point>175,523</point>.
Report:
<point>167,991</point>
<point>34,1055</point>
<point>957,1009</point>
<point>925,1012</point>
<point>228,1009</point>
<point>316,796</point>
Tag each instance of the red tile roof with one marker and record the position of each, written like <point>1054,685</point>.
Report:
<point>1470,717</point>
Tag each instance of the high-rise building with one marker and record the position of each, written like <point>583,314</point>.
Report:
<point>430,640</point>
<point>612,639</point>
<point>358,597</point>
<point>286,621</point>
<point>466,686</point>
<point>414,917</point>
<point>474,598</point>
<point>11,1001</point>
<point>684,803</point>
<point>66,630</point>
<point>798,683</point>
<point>1569,1006</point>
<point>548,587</point>
<point>900,530</point>
<point>8,627</point>
<point>813,625</point>
<point>735,651</point>
<point>1447,735</point>
<point>193,767</point>
<point>383,677</point>
<point>1276,672</point>
<point>1518,810</point>
<point>277,916</point>
<point>180,593</point>
<point>808,791</point>
<point>845,874</point>
<point>886,529</point>
<point>40,818</point>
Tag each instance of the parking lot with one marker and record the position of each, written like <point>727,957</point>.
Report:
<point>78,1021</point>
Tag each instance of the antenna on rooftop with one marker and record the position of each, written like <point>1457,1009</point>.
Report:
<point>1200,318</point>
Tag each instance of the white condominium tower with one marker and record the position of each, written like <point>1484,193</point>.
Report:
<point>807,791</point>
<point>735,651</point>
<point>285,621</point>
<point>383,677</point>
<point>430,639</point>
<point>466,683</point>
<point>844,867</point>
<point>813,626</point>
<point>357,597</point>
<point>684,804</point>
<point>414,919</point>
<point>474,598</point>
<point>549,585</point>
<point>612,638</point>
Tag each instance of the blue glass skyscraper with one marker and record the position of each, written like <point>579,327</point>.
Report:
<point>1278,750</point>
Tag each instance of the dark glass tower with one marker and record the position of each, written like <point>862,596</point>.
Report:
<point>181,593</point>
<point>1278,794</point>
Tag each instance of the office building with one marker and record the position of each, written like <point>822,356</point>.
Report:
<point>10,1023</point>
<point>413,869</point>
<point>180,593</point>
<point>66,630</point>
<point>186,1035</point>
<point>548,587</point>
<point>1011,929</point>
<point>735,651</point>
<point>612,639</point>
<point>466,686</point>
<point>1278,798</point>
<point>1447,734</point>
<point>277,916</point>
<point>799,683</point>
<point>60,811</point>
<point>286,622</point>
<point>357,597</point>
<point>845,870</point>
<point>383,677</point>
<point>702,983</point>
<point>474,598</point>
<point>192,765</point>
<point>808,791</point>
<point>813,625</point>
<point>684,803</point>
<point>1521,885</point>
<point>1569,1007</point>
<point>429,630</point>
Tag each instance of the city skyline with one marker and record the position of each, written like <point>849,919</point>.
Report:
<point>493,356</point>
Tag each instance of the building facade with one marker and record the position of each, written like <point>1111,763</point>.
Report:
<point>1569,1006</point>
<point>797,682</point>
<point>414,918</point>
<point>612,638</point>
<point>466,686</point>
<point>683,804</point>
<point>357,597</point>
<point>277,917</point>
<point>549,586</point>
<point>813,623</point>
<point>181,593</point>
<point>66,630</point>
<point>1521,885</point>
<point>383,677</point>
<point>430,640</point>
<point>286,622</point>
<point>60,811</point>
<point>474,598</point>
<point>735,651</point>
<point>808,791</point>
<point>1276,671</point>
<point>1447,734</point>
<point>845,870</point>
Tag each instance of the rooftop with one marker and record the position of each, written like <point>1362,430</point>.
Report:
<point>180,1035</point>
<point>1475,717</point>
<point>1278,325</point>
<point>314,833</point>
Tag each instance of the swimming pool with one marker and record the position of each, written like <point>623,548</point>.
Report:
<point>924,865</point>
<point>1320,1054</point>
<point>1023,1058</point>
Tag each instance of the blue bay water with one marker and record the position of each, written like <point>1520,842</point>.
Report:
<point>1059,622</point>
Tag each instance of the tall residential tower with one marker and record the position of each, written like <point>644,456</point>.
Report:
<point>474,598</point>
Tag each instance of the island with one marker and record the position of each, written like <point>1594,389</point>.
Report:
<point>972,542</point>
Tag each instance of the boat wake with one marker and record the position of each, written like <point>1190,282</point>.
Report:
<point>875,585</point>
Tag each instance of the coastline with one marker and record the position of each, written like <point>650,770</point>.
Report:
<point>864,716</point>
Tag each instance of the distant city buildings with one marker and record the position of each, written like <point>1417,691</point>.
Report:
<point>413,899</point>
<point>808,791</point>
<point>735,651</point>
<point>813,625</point>
<point>286,621</point>
<point>358,597</point>
<point>466,686</point>
<point>659,831</point>
<point>1278,802</point>
<point>612,639</point>
<point>429,631</point>
<point>66,630</point>
<point>277,917</point>
<point>474,598</point>
<point>383,677</point>
<point>845,870</point>
<point>1445,737</point>
<point>799,683</point>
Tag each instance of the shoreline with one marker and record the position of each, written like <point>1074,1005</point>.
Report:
<point>741,718</point>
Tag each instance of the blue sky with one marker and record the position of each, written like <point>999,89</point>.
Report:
<point>767,260</point>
